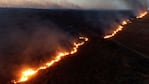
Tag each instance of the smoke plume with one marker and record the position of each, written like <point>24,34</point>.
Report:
<point>78,4</point>
<point>27,39</point>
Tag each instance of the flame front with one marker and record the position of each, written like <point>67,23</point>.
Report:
<point>141,15</point>
<point>118,29</point>
<point>121,26</point>
<point>28,73</point>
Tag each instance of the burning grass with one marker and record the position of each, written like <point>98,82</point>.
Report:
<point>123,23</point>
<point>28,73</point>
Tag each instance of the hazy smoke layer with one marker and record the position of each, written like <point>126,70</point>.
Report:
<point>76,4</point>
<point>27,39</point>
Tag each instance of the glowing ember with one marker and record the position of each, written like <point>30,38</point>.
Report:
<point>28,73</point>
<point>142,15</point>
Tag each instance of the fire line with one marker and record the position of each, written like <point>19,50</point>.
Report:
<point>123,23</point>
<point>28,73</point>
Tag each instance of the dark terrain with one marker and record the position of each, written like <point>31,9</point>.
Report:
<point>123,59</point>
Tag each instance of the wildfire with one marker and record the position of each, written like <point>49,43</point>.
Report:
<point>28,73</point>
<point>141,15</point>
<point>114,32</point>
<point>124,22</point>
<point>121,27</point>
<point>118,29</point>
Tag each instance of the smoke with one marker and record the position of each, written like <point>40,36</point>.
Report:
<point>107,21</point>
<point>44,4</point>
<point>148,4</point>
<point>28,39</point>
<point>137,5</point>
<point>78,4</point>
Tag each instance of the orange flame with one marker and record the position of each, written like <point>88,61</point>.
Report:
<point>121,27</point>
<point>118,29</point>
<point>141,15</point>
<point>114,32</point>
<point>28,73</point>
<point>124,22</point>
